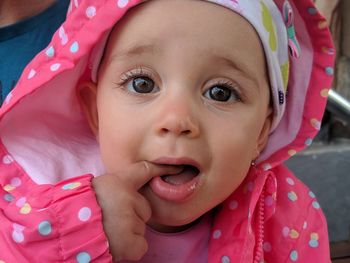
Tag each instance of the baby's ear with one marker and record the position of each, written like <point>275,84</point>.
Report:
<point>87,95</point>
<point>264,134</point>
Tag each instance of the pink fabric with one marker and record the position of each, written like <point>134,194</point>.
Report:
<point>48,223</point>
<point>48,214</point>
<point>189,246</point>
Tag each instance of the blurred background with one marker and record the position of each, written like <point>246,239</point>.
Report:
<point>325,166</point>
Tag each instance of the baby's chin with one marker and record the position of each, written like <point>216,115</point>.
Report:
<point>166,228</point>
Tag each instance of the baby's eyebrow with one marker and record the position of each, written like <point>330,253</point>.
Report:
<point>135,50</point>
<point>241,67</point>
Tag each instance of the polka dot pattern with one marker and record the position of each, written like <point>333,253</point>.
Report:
<point>305,225</point>
<point>55,67</point>
<point>71,186</point>
<point>225,259</point>
<point>90,11</point>
<point>122,3</point>
<point>312,10</point>
<point>292,196</point>
<point>293,255</point>
<point>83,257</point>
<point>324,93</point>
<point>233,205</point>
<point>313,240</point>
<point>84,214</point>
<point>217,234</point>
<point>63,36</point>
<point>312,195</point>
<point>267,247</point>
<point>290,181</point>
<point>292,152</point>
<point>7,159</point>
<point>31,74</point>
<point>45,228</point>
<point>8,197</point>
<point>50,52</point>
<point>308,142</point>
<point>323,24</point>
<point>329,51</point>
<point>316,205</point>
<point>74,48</point>
<point>293,234</point>
<point>315,123</point>
<point>329,71</point>
<point>17,233</point>
<point>15,182</point>
<point>285,231</point>
<point>267,166</point>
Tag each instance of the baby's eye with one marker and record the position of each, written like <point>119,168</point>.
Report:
<point>141,84</point>
<point>221,93</point>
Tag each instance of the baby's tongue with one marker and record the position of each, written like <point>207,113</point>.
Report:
<point>187,174</point>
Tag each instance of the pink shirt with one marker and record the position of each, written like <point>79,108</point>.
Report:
<point>190,245</point>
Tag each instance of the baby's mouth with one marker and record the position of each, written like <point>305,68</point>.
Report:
<point>187,174</point>
<point>180,186</point>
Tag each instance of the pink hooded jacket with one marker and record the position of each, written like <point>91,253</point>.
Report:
<point>48,209</point>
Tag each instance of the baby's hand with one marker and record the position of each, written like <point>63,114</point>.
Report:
<point>125,211</point>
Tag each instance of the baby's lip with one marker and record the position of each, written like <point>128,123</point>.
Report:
<point>178,161</point>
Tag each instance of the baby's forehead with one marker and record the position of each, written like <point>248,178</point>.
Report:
<point>151,30</point>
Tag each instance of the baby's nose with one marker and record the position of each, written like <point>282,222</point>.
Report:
<point>178,119</point>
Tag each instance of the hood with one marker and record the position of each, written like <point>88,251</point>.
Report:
<point>43,127</point>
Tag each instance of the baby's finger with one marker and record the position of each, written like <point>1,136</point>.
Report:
<point>143,208</point>
<point>135,250</point>
<point>145,171</point>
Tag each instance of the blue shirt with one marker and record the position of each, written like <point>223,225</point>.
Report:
<point>20,42</point>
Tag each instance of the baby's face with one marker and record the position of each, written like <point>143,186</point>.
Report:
<point>183,82</point>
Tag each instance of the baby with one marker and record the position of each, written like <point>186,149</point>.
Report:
<point>187,105</point>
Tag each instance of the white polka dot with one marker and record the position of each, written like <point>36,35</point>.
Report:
<point>293,255</point>
<point>266,166</point>
<point>8,197</point>
<point>83,257</point>
<point>285,231</point>
<point>290,181</point>
<point>233,205</point>
<point>31,74</point>
<point>225,259</point>
<point>18,227</point>
<point>122,3</point>
<point>305,225</point>
<point>313,243</point>
<point>50,52</point>
<point>8,98</point>
<point>90,11</point>
<point>7,159</point>
<point>267,247</point>
<point>316,205</point>
<point>17,236</point>
<point>311,194</point>
<point>55,66</point>
<point>15,182</point>
<point>217,234</point>
<point>21,202</point>
<point>45,228</point>
<point>62,34</point>
<point>84,214</point>
<point>74,48</point>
